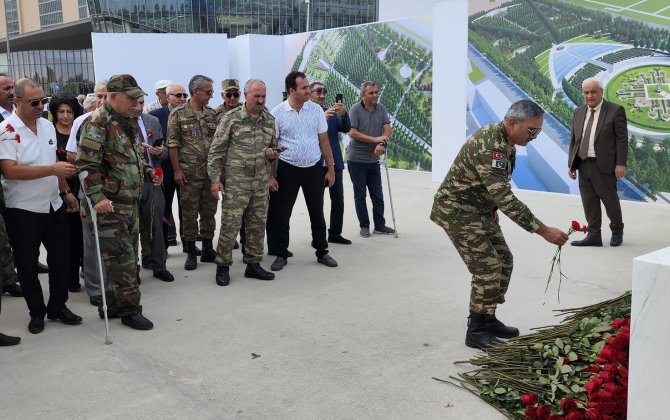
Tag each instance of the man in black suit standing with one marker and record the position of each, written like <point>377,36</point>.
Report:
<point>598,149</point>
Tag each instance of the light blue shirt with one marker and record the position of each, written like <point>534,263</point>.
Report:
<point>299,132</point>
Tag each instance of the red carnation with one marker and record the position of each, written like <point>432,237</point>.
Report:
<point>10,128</point>
<point>529,399</point>
<point>18,138</point>
<point>576,225</point>
<point>158,172</point>
<point>83,215</point>
<point>150,133</point>
<point>59,150</point>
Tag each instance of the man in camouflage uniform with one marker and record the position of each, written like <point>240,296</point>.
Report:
<point>108,149</point>
<point>190,130</point>
<point>230,96</point>
<point>239,167</point>
<point>466,205</point>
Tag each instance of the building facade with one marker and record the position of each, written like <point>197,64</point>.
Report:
<point>49,40</point>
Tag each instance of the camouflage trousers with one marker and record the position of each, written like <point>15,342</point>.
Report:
<point>237,200</point>
<point>196,199</point>
<point>484,251</point>
<point>6,256</point>
<point>119,236</point>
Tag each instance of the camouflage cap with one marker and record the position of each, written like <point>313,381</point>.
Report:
<point>124,83</point>
<point>230,84</point>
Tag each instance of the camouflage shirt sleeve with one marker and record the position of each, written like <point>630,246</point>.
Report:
<point>173,130</point>
<point>90,157</point>
<point>219,149</point>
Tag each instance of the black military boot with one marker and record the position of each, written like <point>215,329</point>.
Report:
<point>255,271</point>
<point>498,329</point>
<point>478,335</point>
<point>191,259</point>
<point>222,275</point>
<point>185,251</point>
<point>208,252</point>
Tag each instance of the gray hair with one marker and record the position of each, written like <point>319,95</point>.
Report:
<point>366,84</point>
<point>172,87</point>
<point>250,82</point>
<point>196,82</point>
<point>524,109</point>
<point>592,80</point>
<point>21,84</point>
<point>102,83</point>
<point>89,102</point>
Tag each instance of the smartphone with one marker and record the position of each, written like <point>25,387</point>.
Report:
<point>284,95</point>
<point>158,142</point>
<point>279,148</point>
<point>339,98</point>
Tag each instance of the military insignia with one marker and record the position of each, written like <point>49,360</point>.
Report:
<point>499,160</point>
<point>51,141</point>
<point>93,136</point>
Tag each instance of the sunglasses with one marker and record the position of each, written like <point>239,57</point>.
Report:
<point>319,91</point>
<point>209,92</point>
<point>231,94</point>
<point>180,95</point>
<point>37,102</point>
<point>532,131</point>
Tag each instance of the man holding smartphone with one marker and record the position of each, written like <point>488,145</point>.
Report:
<point>338,122</point>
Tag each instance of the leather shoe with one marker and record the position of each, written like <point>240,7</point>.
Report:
<point>74,288</point>
<point>197,252</point>
<point>8,340</point>
<point>42,268</point>
<point>13,289</point>
<point>137,322</point>
<point>327,260</point>
<point>95,300</point>
<point>617,238</point>
<point>36,325</point>
<point>164,275</point>
<point>148,263</point>
<point>66,317</point>
<point>255,271</point>
<point>338,239</point>
<point>274,253</point>
<point>222,275</point>
<point>590,240</point>
<point>279,263</point>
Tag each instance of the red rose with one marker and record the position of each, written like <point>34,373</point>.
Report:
<point>576,415</point>
<point>606,376</point>
<point>543,411</point>
<point>566,361</point>
<point>576,225</point>
<point>59,150</point>
<point>10,128</point>
<point>150,133</point>
<point>618,323</point>
<point>568,405</point>
<point>83,215</point>
<point>158,172</point>
<point>18,138</point>
<point>529,399</point>
<point>556,417</point>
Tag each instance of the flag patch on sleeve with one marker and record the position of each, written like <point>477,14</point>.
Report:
<point>499,160</point>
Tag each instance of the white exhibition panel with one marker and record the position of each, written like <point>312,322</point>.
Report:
<point>259,57</point>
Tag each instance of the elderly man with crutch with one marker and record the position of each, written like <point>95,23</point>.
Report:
<point>109,151</point>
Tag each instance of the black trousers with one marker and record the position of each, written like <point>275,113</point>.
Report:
<point>291,179</point>
<point>596,186</point>
<point>27,230</point>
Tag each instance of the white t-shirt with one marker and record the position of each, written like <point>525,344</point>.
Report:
<point>36,195</point>
<point>299,132</point>
<point>71,145</point>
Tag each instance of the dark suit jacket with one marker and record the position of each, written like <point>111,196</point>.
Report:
<point>162,114</point>
<point>610,141</point>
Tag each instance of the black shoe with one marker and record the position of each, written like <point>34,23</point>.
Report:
<point>289,254</point>
<point>66,317</point>
<point>338,239</point>
<point>498,329</point>
<point>590,240</point>
<point>42,268</point>
<point>208,252</point>
<point>197,250</point>
<point>192,259</point>
<point>327,260</point>
<point>96,300</point>
<point>8,340</point>
<point>478,335</point>
<point>222,275</point>
<point>36,325</point>
<point>617,237</point>
<point>255,271</point>
<point>164,275</point>
<point>137,322</point>
<point>279,263</point>
<point>237,245</point>
<point>172,241</point>
<point>74,288</point>
<point>148,263</point>
<point>13,289</point>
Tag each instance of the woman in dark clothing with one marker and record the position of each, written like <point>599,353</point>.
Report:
<point>64,108</point>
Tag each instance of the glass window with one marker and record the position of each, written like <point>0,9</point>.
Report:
<point>83,9</point>
<point>51,12</point>
<point>12,17</point>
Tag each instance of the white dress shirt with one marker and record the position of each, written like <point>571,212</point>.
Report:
<point>299,132</point>
<point>72,140</point>
<point>592,138</point>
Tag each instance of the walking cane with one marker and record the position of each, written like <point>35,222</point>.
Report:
<point>388,183</point>
<point>94,220</point>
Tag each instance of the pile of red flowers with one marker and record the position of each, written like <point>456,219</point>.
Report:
<point>607,390</point>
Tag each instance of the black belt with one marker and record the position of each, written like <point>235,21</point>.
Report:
<point>589,159</point>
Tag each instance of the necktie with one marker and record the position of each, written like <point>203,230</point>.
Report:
<point>140,140</point>
<point>584,147</point>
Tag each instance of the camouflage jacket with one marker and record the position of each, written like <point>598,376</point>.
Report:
<point>222,110</point>
<point>238,149</point>
<point>109,151</point>
<point>478,182</point>
<point>191,132</point>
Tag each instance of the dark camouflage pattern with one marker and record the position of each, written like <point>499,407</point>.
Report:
<point>6,257</point>
<point>191,132</point>
<point>124,83</point>
<point>108,150</point>
<point>238,157</point>
<point>222,110</point>
<point>478,184</point>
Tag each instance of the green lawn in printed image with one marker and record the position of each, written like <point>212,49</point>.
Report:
<point>542,61</point>
<point>658,91</point>
<point>475,75</point>
<point>665,13</point>
<point>650,6</point>
<point>589,39</point>
<point>611,6</point>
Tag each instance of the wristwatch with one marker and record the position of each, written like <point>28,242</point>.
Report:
<point>62,194</point>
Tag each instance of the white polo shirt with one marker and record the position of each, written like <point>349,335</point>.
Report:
<point>299,132</point>
<point>71,145</point>
<point>36,195</point>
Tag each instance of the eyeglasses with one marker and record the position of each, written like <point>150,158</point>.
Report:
<point>319,91</point>
<point>209,92</point>
<point>532,131</point>
<point>180,95</point>
<point>37,102</point>
<point>231,94</point>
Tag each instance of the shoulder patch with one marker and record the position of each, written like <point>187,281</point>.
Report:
<point>91,142</point>
<point>499,159</point>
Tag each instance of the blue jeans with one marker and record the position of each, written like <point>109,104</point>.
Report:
<point>367,175</point>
